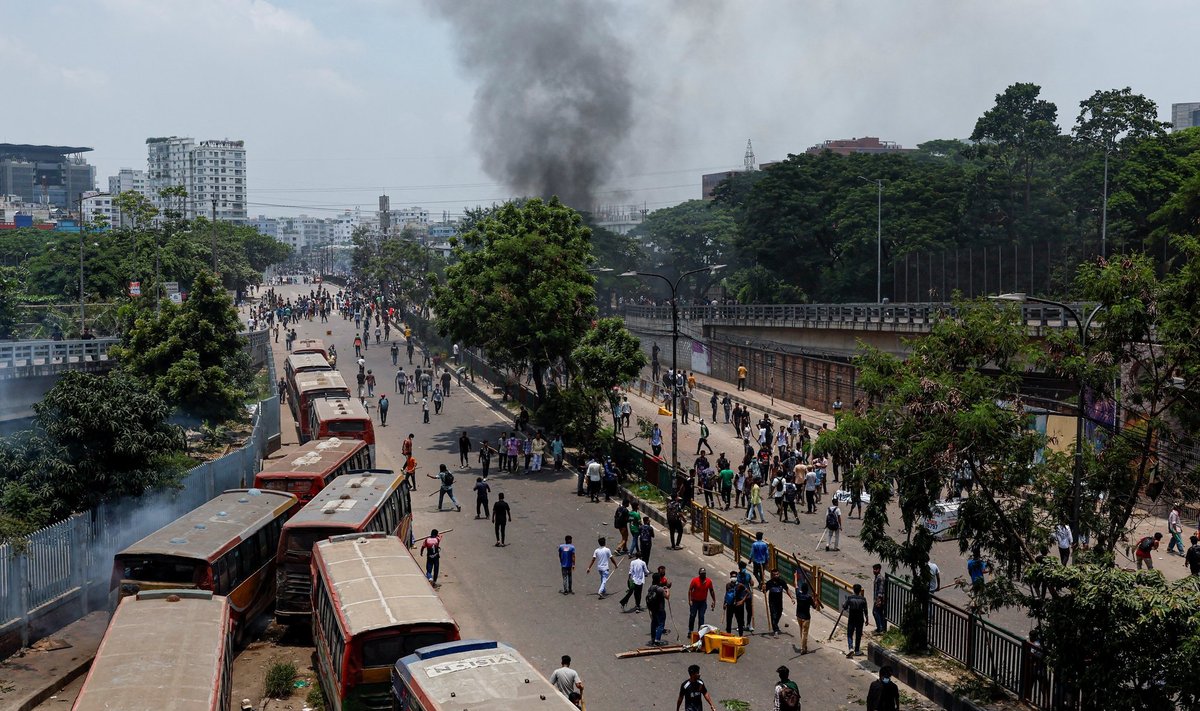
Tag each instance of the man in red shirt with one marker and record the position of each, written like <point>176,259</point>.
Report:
<point>700,594</point>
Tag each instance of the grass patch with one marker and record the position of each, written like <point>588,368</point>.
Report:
<point>978,689</point>
<point>735,705</point>
<point>278,682</point>
<point>892,639</point>
<point>647,492</point>
<point>315,700</point>
<point>260,387</point>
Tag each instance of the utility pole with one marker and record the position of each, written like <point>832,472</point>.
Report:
<point>214,235</point>
<point>82,236</point>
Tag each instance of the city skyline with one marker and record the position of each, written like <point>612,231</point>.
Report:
<point>338,105</point>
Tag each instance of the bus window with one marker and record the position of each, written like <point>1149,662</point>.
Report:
<point>160,570</point>
<point>385,651</point>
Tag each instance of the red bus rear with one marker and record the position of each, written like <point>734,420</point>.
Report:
<point>344,418</point>
<point>305,469</point>
<point>310,387</point>
<point>310,345</point>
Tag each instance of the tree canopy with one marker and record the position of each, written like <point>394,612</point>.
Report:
<point>520,288</point>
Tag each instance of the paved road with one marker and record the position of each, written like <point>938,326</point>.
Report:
<point>511,593</point>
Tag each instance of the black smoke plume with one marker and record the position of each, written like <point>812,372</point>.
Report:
<point>554,103</point>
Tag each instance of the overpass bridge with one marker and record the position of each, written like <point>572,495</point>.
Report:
<point>29,369</point>
<point>802,353</point>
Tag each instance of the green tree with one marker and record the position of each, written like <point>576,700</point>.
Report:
<point>192,355</point>
<point>11,292</point>
<point>688,236</point>
<point>1018,132</point>
<point>607,355</point>
<point>760,285</point>
<point>1122,639</point>
<point>95,438</point>
<point>520,287</point>
<point>952,405</point>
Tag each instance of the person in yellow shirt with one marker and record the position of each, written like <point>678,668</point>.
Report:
<point>742,376</point>
<point>755,503</point>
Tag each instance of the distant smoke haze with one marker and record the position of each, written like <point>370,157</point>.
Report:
<point>554,105</point>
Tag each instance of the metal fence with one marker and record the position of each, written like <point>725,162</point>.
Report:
<point>1009,660</point>
<point>20,353</point>
<point>70,562</point>
<point>916,316</point>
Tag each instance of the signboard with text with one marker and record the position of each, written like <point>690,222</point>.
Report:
<point>135,288</point>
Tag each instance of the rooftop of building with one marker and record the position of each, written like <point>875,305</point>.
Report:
<point>29,150</point>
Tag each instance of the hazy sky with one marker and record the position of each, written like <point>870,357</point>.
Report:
<point>340,100</point>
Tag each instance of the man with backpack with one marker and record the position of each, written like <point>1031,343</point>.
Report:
<point>1192,558</point>
<point>446,479</point>
<point>833,526</point>
<point>1145,547</point>
<point>645,539</point>
<point>675,522</point>
<point>787,694</point>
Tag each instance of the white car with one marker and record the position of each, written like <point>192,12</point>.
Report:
<point>945,518</point>
<point>843,497</point>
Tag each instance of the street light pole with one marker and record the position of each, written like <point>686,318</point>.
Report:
<point>1083,326</point>
<point>878,237</point>
<point>1104,210</point>
<point>674,286</point>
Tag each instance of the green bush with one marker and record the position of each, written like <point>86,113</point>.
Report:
<point>315,700</point>
<point>278,684</point>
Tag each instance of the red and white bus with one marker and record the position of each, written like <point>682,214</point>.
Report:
<point>309,387</point>
<point>310,345</point>
<point>305,469</point>
<point>370,501</point>
<point>304,363</point>
<point>164,649</point>
<point>343,418</point>
<point>226,545</point>
<point>371,606</point>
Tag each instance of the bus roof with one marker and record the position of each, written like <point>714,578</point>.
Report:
<point>348,500</point>
<point>163,649</point>
<point>340,408</point>
<point>479,674</point>
<point>308,362</point>
<point>309,345</point>
<point>320,380</point>
<point>207,530</point>
<point>314,457</point>
<point>377,584</point>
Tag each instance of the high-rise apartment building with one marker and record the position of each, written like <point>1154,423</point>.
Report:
<point>213,173</point>
<point>1185,115</point>
<point>129,179</point>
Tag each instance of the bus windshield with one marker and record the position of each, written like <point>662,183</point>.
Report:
<point>163,569</point>
<point>300,542</point>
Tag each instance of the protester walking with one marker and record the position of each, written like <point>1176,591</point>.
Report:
<point>501,517</point>
<point>464,450</point>
<point>566,560</point>
<point>656,604</point>
<point>601,558</point>
<point>446,480</point>
<point>855,608</point>
<point>879,598</point>
<point>736,595</point>
<point>700,595</point>
<point>431,548</point>
<point>804,606</point>
<point>787,693</point>
<point>635,583</point>
<point>883,694</point>
<point>383,410</point>
<point>566,679</point>
<point>482,489</point>
<point>776,587</point>
<point>693,692</point>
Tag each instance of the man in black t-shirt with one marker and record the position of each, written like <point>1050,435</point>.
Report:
<point>804,606</point>
<point>693,693</point>
<point>776,587</point>
<point>855,608</point>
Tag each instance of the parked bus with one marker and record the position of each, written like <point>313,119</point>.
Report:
<point>371,606</point>
<point>304,363</point>
<point>164,649</point>
<point>310,345</point>
<point>309,387</point>
<point>341,417</point>
<point>372,501</point>
<point>472,674</point>
<point>226,545</point>
<point>307,468</point>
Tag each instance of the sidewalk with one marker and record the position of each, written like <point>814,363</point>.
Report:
<point>32,675</point>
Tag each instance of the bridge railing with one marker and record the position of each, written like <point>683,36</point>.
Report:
<point>19,353</point>
<point>847,315</point>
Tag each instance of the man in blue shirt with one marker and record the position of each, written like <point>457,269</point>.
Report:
<point>976,567</point>
<point>760,552</point>
<point>566,559</point>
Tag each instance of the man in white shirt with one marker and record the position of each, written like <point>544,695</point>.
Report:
<point>935,577</point>
<point>637,579</point>
<point>601,558</point>
<point>1175,528</point>
<point>566,679</point>
<point>1065,538</point>
<point>594,471</point>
